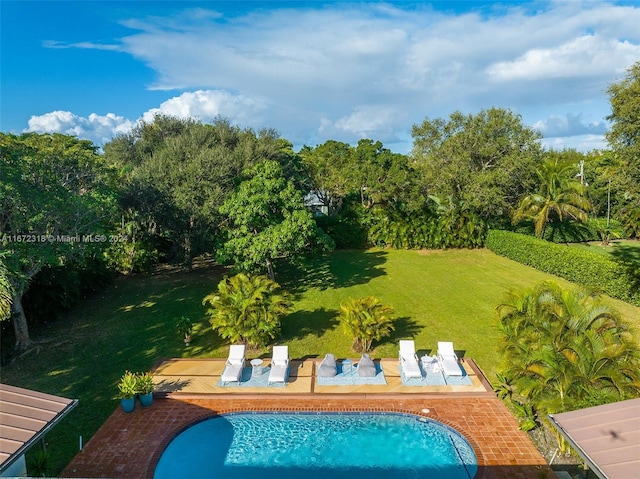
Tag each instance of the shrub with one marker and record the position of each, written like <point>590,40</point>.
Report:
<point>346,232</point>
<point>247,309</point>
<point>609,275</point>
<point>367,320</point>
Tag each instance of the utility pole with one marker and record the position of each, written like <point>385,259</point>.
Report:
<point>582,172</point>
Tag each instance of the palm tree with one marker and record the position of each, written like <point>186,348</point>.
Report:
<point>559,346</point>
<point>560,196</point>
<point>247,309</point>
<point>367,320</point>
<point>563,349</point>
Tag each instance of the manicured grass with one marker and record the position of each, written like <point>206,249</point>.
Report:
<point>626,250</point>
<point>437,296</point>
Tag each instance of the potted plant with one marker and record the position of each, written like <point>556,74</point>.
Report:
<point>144,388</point>
<point>127,388</point>
<point>185,328</point>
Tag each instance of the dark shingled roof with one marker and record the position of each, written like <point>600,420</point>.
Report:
<point>607,437</point>
<point>25,416</point>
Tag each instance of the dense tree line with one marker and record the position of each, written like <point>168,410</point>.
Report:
<point>175,189</point>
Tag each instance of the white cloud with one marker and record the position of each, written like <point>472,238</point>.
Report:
<point>587,55</point>
<point>206,105</point>
<point>371,69</point>
<point>578,142</point>
<point>96,128</point>
<point>569,125</point>
<point>366,121</point>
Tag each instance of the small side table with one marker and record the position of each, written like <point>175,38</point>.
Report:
<point>429,363</point>
<point>347,367</point>
<point>256,365</point>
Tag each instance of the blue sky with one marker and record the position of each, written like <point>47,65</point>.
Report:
<point>314,70</point>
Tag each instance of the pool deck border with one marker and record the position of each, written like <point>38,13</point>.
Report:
<point>129,446</point>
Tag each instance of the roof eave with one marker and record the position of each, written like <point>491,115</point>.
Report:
<point>38,436</point>
<point>581,452</point>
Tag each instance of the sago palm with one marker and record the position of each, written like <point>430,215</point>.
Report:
<point>247,309</point>
<point>367,320</point>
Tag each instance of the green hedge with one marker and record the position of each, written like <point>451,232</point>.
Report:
<point>613,277</point>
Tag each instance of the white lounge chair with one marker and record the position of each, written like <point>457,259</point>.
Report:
<point>409,360</point>
<point>235,364</point>
<point>448,359</point>
<point>279,365</point>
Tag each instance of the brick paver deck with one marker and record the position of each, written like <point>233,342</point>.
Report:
<point>130,445</point>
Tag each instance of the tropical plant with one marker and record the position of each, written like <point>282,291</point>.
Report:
<point>504,387</point>
<point>606,234</point>
<point>528,418</point>
<point>184,326</point>
<point>559,346</point>
<point>128,385</point>
<point>631,218</point>
<point>247,308</point>
<point>367,320</point>
<point>144,383</point>
<point>38,462</point>
<point>560,196</point>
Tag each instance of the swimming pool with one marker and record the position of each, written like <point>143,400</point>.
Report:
<point>318,445</point>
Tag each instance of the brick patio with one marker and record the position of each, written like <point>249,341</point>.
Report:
<point>130,445</point>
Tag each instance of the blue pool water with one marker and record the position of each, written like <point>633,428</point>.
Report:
<point>314,446</point>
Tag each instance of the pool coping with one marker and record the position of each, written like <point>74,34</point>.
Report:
<point>130,445</point>
<point>165,443</point>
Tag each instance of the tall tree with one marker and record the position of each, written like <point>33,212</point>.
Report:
<point>6,291</point>
<point>379,175</point>
<point>267,220</point>
<point>560,196</point>
<point>56,206</point>
<point>485,161</point>
<point>327,166</point>
<point>188,169</point>
<point>624,139</point>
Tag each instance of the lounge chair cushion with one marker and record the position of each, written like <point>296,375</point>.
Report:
<point>327,368</point>
<point>448,359</point>
<point>232,373</point>
<point>279,365</point>
<point>235,364</point>
<point>366,367</point>
<point>409,360</point>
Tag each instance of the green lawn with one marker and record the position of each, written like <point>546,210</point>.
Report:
<point>627,250</point>
<point>437,296</point>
